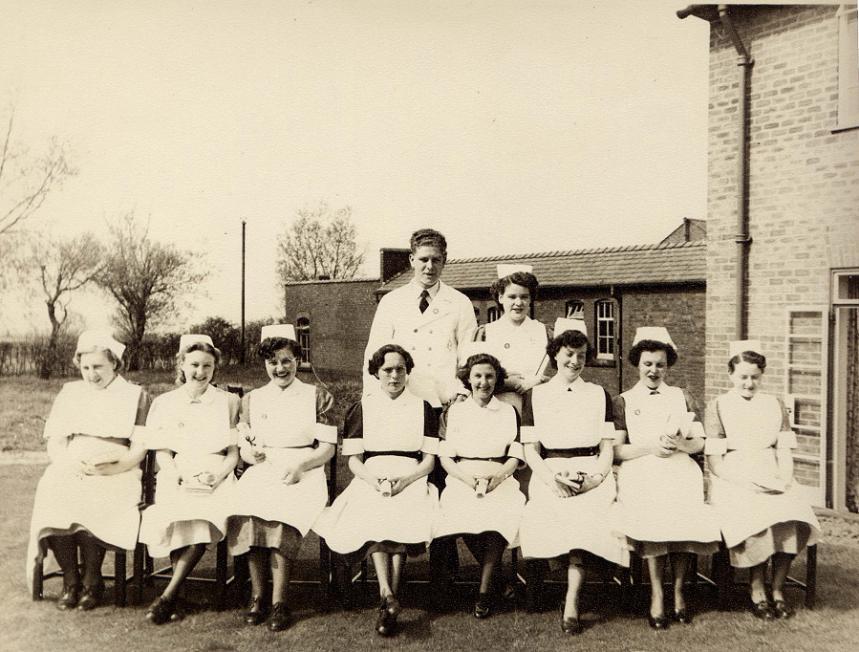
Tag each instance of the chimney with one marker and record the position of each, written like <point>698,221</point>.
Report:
<point>392,261</point>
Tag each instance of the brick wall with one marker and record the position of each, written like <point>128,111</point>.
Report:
<point>803,178</point>
<point>340,314</point>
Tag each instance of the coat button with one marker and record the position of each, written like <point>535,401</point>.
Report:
<point>506,345</point>
<point>181,425</point>
<point>416,330</point>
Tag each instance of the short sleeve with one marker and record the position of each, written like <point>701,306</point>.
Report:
<point>515,448</point>
<point>715,446</point>
<point>528,435</point>
<point>325,431</point>
<point>245,412</point>
<point>446,449</point>
<point>353,430</point>
<point>716,442</point>
<point>56,423</point>
<point>431,429</point>
<point>144,402</point>
<point>786,439</point>
<point>619,414</point>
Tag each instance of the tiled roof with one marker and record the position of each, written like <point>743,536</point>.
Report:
<point>629,265</point>
<point>364,279</point>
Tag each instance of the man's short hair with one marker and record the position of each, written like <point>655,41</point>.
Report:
<point>428,238</point>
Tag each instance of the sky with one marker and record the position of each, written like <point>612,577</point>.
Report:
<point>512,127</point>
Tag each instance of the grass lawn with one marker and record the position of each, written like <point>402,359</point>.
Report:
<point>833,625</point>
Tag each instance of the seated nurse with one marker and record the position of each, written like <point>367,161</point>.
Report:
<point>390,437</point>
<point>481,500</point>
<point>763,515</point>
<point>286,439</point>
<point>88,496</point>
<point>192,430</point>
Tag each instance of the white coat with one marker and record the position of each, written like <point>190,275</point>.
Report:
<point>433,338</point>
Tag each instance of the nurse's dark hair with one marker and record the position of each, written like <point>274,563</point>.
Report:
<point>196,346</point>
<point>428,238</point>
<point>377,360</point>
<point>651,346</point>
<point>271,345</point>
<point>482,358</point>
<point>571,339</point>
<point>117,363</point>
<point>525,279</point>
<point>751,357</point>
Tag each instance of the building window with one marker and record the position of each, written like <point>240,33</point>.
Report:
<point>848,67</point>
<point>492,313</point>
<point>575,309</point>
<point>302,331</point>
<point>605,329</point>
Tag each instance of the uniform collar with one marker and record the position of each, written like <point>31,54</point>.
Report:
<point>562,385</point>
<point>205,398</point>
<point>417,288</point>
<point>494,404</point>
<point>274,389</point>
<point>641,388</point>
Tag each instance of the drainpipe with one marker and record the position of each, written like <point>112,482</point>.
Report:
<point>742,239</point>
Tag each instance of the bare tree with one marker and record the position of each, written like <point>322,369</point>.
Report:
<point>59,267</point>
<point>26,181</point>
<point>319,243</point>
<point>145,278</point>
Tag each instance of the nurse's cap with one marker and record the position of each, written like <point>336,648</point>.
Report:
<point>286,331</point>
<point>98,339</point>
<point>564,324</point>
<point>190,339</point>
<point>655,333</point>
<point>506,269</point>
<point>740,346</point>
<point>476,348</point>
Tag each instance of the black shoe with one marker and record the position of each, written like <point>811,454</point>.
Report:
<point>762,610</point>
<point>483,606</point>
<point>386,623</point>
<point>162,610</point>
<point>281,617</point>
<point>257,612</point>
<point>91,597</point>
<point>392,605</point>
<point>658,623</point>
<point>572,625</point>
<point>69,598</point>
<point>782,610</point>
<point>681,616</point>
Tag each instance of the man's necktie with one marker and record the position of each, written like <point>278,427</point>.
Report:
<point>424,304</point>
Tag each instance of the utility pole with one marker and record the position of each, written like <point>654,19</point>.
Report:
<point>244,223</point>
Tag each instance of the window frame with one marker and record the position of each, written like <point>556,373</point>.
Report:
<point>847,115</point>
<point>302,334</point>
<point>601,357</point>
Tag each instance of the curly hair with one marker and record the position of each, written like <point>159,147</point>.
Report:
<point>118,364</point>
<point>752,357</point>
<point>482,358</point>
<point>269,346</point>
<point>570,339</point>
<point>378,359</point>
<point>196,346</point>
<point>652,345</point>
<point>428,238</point>
<point>525,279</point>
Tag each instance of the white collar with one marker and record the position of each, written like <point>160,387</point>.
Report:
<point>417,288</point>
<point>205,398</point>
<point>494,404</point>
<point>641,388</point>
<point>562,386</point>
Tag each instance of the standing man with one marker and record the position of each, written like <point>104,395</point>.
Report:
<point>429,319</point>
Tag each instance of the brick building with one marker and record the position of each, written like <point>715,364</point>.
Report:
<point>613,289</point>
<point>783,221</point>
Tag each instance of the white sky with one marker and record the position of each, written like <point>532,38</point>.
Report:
<point>512,127</point>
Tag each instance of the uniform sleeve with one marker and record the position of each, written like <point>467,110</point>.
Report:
<point>618,410</point>
<point>56,425</point>
<point>447,446</point>
<point>608,429</point>
<point>786,437</point>
<point>325,430</point>
<point>235,405</point>
<point>353,430</point>
<point>431,441</point>
<point>716,442</point>
<point>515,448</point>
<point>138,435</point>
<point>156,438</point>
<point>245,414</point>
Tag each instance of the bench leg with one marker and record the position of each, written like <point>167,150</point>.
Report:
<point>221,575</point>
<point>120,580</point>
